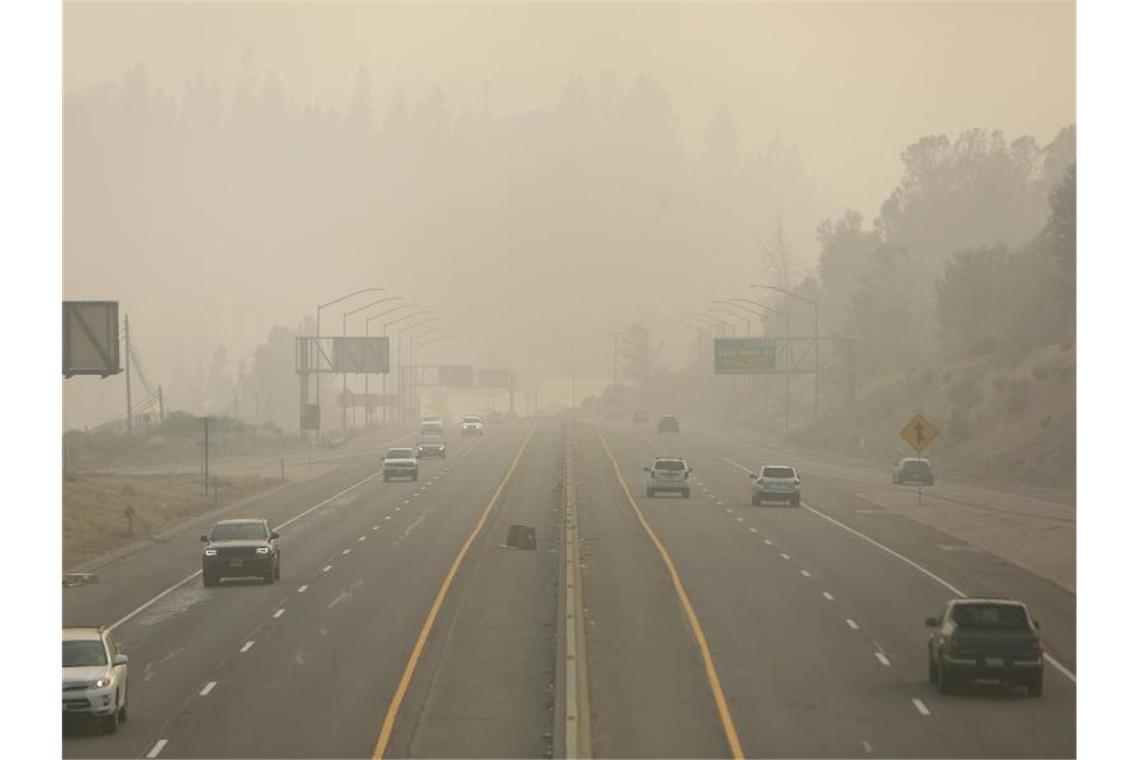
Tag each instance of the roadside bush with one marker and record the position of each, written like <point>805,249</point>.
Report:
<point>1017,397</point>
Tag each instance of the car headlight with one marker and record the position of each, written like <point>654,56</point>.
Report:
<point>263,550</point>
<point>101,682</point>
<point>211,552</point>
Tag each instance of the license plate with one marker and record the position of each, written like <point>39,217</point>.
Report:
<point>235,563</point>
<point>994,662</point>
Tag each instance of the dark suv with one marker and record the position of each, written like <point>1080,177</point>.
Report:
<point>985,640</point>
<point>668,424</point>
<point>240,549</point>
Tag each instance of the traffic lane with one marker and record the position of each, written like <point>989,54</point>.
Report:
<point>970,568</point>
<point>801,680</point>
<point>483,687</point>
<point>889,601</point>
<point>1049,501</point>
<point>131,580</point>
<point>649,694</point>
<point>333,659</point>
<point>185,634</point>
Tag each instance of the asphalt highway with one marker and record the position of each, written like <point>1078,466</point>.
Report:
<point>404,626</point>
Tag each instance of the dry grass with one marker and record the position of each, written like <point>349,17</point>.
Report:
<point>93,508</point>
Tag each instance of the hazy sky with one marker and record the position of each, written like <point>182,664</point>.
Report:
<point>851,83</point>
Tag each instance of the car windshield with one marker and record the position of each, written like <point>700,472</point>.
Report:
<point>779,472</point>
<point>1005,617</point>
<point>669,464</point>
<point>430,439</point>
<point>80,654</point>
<point>472,419</point>
<point>238,531</point>
<point>399,454</point>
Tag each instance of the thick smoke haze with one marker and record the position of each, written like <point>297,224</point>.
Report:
<point>528,171</point>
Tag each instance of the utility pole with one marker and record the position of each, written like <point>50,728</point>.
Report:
<point>161,408</point>
<point>206,427</point>
<point>615,335</point>
<point>127,340</point>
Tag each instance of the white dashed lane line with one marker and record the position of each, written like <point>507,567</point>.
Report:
<point>346,551</point>
<point>302,589</point>
<point>387,517</point>
<point>158,745</point>
<point>784,556</point>
<point>246,647</point>
<point>828,597</point>
<point>805,573</point>
<point>753,530</point>
<point>852,624</point>
<point>922,708</point>
<point>883,659</point>
<point>326,568</point>
<point>768,541</point>
<point>375,527</point>
<point>279,613</point>
<point>362,538</point>
<point>207,688</point>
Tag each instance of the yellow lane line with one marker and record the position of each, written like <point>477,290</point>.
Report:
<point>417,650</point>
<point>694,623</point>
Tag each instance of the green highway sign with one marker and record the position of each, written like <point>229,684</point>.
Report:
<point>742,356</point>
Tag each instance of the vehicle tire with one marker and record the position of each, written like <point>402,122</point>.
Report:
<point>209,580</point>
<point>123,711</point>
<point>415,477</point>
<point>649,492</point>
<point>755,501</point>
<point>385,477</point>
<point>277,569</point>
<point>932,669</point>
<point>685,493</point>
<point>111,723</point>
<point>945,681</point>
<point>1035,684</point>
<point>269,576</point>
<point>795,501</point>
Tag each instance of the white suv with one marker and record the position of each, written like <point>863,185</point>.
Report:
<point>94,677</point>
<point>668,474</point>
<point>472,425</point>
<point>776,483</point>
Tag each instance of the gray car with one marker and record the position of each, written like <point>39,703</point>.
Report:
<point>776,483</point>
<point>401,463</point>
<point>94,677</point>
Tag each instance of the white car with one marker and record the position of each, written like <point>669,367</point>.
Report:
<point>94,677</point>
<point>668,474</point>
<point>776,483</point>
<point>472,425</point>
<point>401,463</point>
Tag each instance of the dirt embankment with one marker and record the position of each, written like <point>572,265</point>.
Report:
<point>94,508</point>
<point>998,419</point>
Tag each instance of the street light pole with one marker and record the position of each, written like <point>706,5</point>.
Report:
<point>384,377</point>
<point>402,391</point>
<point>318,338</point>
<point>747,321</point>
<point>815,306</point>
<point>413,354</point>
<point>344,383</point>
<point>787,359</point>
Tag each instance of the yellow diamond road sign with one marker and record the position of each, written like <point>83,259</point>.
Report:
<point>918,433</point>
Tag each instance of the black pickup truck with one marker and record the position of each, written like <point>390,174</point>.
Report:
<point>985,640</point>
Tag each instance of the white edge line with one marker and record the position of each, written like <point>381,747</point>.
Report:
<point>301,590</point>
<point>944,583</point>
<point>852,624</point>
<point>279,613</point>
<point>246,646</point>
<point>157,748</point>
<point>207,688</point>
<point>196,573</point>
<point>883,659</point>
<point>920,706</point>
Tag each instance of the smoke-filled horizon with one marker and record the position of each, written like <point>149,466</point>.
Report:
<point>218,198</point>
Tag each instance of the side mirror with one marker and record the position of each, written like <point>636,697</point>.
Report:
<point>932,622</point>
<point>204,538</point>
<point>275,535</point>
<point>645,468</point>
<point>120,659</point>
<point>1036,624</point>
